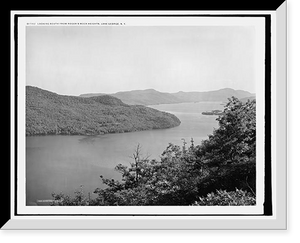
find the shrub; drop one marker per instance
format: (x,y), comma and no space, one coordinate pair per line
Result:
(65,200)
(224,198)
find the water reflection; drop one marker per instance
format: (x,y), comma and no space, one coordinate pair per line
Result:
(87,139)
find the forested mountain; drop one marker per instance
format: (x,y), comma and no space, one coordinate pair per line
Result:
(147,97)
(51,113)
(153,97)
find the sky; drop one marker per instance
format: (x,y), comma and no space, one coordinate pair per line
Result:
(73,60)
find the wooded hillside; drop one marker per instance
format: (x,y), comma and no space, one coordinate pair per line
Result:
(51,113)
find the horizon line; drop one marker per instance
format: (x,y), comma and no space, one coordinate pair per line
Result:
(104,93)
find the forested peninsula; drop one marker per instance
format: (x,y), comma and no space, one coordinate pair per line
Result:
(50,113)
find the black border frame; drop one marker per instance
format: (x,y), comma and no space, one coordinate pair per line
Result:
(268,173)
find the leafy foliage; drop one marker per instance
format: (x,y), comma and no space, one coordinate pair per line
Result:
(152,182)
(235,139)
(65,200)
(229,153)
(224,198)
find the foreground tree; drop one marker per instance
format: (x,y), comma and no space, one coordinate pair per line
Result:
(229,154)
(152,182)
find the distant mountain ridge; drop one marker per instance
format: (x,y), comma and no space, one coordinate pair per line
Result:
(51,113)
(142,97)
(154,97)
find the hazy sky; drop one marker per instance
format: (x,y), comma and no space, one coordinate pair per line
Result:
(76,60)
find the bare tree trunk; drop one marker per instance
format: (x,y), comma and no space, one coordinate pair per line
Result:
(136,157)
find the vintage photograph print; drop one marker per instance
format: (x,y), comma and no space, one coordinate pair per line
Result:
(143,115)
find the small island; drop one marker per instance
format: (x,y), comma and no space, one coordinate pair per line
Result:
(213,112)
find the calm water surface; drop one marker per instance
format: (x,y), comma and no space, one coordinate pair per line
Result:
(62,163)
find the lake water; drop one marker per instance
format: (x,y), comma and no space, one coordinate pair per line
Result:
(62,163)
